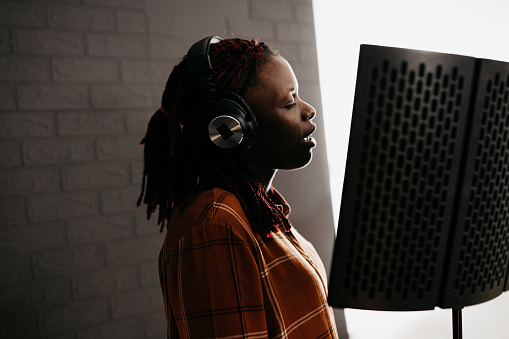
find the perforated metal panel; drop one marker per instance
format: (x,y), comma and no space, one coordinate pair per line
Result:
(410,128)
(480,253)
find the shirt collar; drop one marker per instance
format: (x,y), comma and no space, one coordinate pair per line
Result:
(279,201)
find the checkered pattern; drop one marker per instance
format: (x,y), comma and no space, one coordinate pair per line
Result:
(221,280)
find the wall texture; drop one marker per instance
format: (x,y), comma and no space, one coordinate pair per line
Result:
(78,81)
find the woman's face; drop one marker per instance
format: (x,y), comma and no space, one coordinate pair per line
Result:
(284,120)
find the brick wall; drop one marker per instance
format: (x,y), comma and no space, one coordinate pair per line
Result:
(78,81)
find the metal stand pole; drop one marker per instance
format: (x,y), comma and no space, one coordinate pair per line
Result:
(457,331)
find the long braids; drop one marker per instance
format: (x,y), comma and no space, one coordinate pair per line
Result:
(179,165)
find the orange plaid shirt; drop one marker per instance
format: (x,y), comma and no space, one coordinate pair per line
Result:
(220,279)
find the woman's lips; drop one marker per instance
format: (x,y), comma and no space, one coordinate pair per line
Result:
(308,141)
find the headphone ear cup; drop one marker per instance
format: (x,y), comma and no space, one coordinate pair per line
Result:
(229,123)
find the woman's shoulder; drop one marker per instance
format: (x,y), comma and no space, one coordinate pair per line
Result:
(215,196)
(213,207)
(216,204)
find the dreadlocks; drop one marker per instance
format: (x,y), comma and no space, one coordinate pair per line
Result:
(179,165)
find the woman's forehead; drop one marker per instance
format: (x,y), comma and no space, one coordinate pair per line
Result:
(276,74)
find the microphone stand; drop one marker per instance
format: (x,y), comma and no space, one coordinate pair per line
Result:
(457,332)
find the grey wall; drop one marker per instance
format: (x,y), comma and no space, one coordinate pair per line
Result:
(78,81)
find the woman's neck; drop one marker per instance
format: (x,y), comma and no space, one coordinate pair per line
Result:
(264,175)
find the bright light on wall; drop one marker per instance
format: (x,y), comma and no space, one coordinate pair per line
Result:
(465,27)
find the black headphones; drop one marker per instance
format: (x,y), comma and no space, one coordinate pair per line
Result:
(223,117)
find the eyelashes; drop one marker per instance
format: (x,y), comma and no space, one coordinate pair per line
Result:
(290,106)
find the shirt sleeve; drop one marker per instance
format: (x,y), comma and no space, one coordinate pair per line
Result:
(215,286)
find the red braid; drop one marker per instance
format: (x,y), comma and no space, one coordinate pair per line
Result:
(234,62)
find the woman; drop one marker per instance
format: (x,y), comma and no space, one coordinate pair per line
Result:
(232,265)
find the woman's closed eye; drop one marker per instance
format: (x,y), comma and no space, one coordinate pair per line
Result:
(290,106)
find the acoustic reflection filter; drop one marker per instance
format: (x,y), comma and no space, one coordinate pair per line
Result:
(424,217)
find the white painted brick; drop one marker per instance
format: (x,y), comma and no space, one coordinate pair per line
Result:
(308,53)
(156,324)
(67,2)
(162,22)
(10,154)
(120,199)
(90,123)
(115,52)
(57,151)
(19,125)
(137,172)
(136,71)
(134,250)
(104,282)
(156,93)
(31,296)
(5,41)
(306,72)
(62,205)
(137,121)
(168,48)
(121,96)
(12,211)
(117,45)
(125,329)
(251,29)
(141,301)
(21,14)
(288,50)
(6,97)
(100,228)
(296,1)
(26,181)
(205,19)
(149,273)
(304,12)
(144,226)
(22,239)
(296,32)
(129,21)
(116,3)
(94,175)
(125,147)
(78,17)
(68,260)
(160,71)
(16,68)
(39,97)
(271,10)
(74,316)
(86,70)
(49,42)
(20,326)
(97,229)
(15,270)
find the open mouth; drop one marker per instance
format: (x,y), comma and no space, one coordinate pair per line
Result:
(309,140)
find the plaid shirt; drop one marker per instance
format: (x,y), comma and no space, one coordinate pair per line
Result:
(220,279)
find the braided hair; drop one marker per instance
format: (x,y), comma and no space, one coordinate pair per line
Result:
(179,165)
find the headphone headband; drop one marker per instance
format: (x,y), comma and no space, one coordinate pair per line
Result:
(198,59)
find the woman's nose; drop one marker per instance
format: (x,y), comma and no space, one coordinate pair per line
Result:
(308,111)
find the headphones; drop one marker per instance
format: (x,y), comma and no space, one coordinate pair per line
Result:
(223,117)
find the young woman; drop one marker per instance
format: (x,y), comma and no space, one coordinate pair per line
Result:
(232,265)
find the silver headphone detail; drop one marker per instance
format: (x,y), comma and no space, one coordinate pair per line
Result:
(225,131)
